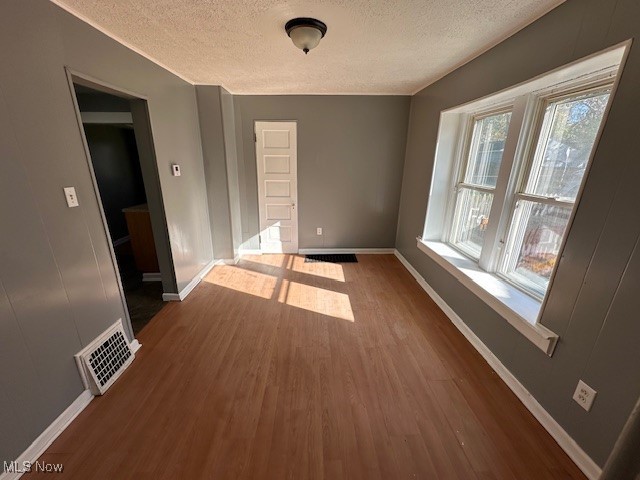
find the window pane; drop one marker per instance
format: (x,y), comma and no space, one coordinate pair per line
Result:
(534,242)
(568,132)
(487,146)
(472,218)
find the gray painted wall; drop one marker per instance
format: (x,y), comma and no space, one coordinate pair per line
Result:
(215,169)
(58,286)
(230,130)
(218,132)
(350,160)
(594,302)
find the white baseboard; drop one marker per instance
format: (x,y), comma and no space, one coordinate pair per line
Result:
(152,277)
(122,240)
(329,251)
(249,251)
(135,345)
(52,432)
(178,297)
(171,297)
(568,444)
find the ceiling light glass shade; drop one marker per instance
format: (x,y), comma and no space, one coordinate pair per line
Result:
(305,33)
(306,38)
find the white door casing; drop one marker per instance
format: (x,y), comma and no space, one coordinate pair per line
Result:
(277,164)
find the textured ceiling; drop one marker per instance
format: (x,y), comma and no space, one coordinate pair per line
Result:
(371,47)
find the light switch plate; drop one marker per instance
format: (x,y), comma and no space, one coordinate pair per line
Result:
(175,170)
(70,195)
(584,395)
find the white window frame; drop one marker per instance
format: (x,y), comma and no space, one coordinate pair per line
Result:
(600,82)
(462,163)
(484,277)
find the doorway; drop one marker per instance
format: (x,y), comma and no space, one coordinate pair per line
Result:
(277,167)
(116,132)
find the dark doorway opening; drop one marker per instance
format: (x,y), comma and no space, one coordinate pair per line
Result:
(109,131)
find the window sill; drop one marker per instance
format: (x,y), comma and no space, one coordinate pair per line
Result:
(516,307)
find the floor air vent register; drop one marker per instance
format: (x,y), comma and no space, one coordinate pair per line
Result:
(104,360)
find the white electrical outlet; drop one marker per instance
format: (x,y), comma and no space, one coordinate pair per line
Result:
(70,195)
(319,231)
(584,395)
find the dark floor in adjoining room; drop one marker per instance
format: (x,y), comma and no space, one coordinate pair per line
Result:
(144,299)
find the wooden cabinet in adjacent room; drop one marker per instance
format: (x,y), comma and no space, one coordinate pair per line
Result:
(142,244)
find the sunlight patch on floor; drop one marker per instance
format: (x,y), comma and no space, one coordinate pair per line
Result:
(271,260)
(241,280)
(314,299)
(332,271)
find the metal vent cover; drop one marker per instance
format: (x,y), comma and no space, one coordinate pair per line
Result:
(104,360)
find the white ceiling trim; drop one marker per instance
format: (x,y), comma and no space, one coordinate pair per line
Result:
(312,94)
(121,41)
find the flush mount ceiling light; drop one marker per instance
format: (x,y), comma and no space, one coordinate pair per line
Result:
(305,33)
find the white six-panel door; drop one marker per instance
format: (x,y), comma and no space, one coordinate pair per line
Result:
(277,161)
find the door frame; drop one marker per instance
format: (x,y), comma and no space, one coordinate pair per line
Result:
(260,207)
(156,205)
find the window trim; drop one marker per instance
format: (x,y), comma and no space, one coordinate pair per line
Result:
(517,308)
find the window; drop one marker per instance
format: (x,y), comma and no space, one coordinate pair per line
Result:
(507,174)
(527,226)
(474,194)
(547,195)
(509,210)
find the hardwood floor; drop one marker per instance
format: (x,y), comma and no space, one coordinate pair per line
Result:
(280,369)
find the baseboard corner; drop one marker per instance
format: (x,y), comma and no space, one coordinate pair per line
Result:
(227,261)
(135,345)
(180,296)
(171,297)
(206,269)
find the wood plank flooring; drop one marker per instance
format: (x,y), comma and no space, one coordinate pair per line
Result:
(280,369)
